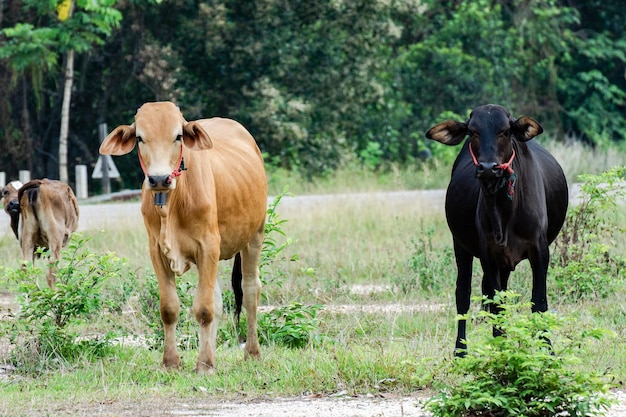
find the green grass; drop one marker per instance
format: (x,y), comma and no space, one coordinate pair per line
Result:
(340,244)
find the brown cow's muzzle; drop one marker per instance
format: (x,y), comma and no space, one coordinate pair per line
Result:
(160,185)
(13,207)
(160,182)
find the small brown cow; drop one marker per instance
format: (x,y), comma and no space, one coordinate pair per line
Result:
(204,198)
(44,213)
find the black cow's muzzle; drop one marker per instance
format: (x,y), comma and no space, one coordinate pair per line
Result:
(13,207)
(488,170)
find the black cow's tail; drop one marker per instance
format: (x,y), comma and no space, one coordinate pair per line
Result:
(236,280)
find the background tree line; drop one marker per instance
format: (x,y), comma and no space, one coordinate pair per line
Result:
(319,83)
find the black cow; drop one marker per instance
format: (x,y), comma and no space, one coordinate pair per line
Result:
(506,202)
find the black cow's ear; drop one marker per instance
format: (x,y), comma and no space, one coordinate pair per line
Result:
(449,132)
(526,128)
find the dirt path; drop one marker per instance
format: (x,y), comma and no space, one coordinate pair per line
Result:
(205,405)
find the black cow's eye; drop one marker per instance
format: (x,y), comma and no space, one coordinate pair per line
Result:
(506,132)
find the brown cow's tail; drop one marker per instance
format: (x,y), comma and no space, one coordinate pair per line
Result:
(31,189)
(236,279)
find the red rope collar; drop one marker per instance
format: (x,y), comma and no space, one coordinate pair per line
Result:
(505,166)
(177,172)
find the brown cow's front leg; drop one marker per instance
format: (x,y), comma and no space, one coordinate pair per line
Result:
(251,286)
(207,306)
(170,307)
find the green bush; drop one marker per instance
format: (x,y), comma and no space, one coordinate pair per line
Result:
(46,331)
(292,325)
(583,264)
(274,242)
(520,373)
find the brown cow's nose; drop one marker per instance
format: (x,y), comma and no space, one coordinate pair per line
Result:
(159,181)
(488,170)
(13,207)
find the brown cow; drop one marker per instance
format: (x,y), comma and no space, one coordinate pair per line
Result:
(204,198)
(44,213)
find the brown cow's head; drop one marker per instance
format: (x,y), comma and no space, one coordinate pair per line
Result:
(160,130)
(11,203)
(491,131)
(9,198)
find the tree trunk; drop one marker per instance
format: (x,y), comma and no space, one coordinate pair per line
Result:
(65,116)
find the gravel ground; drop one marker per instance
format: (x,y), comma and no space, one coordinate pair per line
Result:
(205,406)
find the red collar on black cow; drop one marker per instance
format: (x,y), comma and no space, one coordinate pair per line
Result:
(506,167)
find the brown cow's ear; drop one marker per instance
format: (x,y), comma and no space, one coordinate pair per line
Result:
(196,137)
(526,128)
(449,132)
(120,141)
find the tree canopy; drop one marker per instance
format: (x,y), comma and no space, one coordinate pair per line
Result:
(317,82)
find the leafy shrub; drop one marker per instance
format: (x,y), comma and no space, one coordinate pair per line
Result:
(45,331)
(291,325)
(583,264)
(272,246)
(520,373)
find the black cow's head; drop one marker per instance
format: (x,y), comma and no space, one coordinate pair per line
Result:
(491,132)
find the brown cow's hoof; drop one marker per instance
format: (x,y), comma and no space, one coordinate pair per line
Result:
(171,363)
(204,369)
(255,354)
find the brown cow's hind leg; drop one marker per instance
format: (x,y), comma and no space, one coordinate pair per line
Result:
(251,286)
(55,255)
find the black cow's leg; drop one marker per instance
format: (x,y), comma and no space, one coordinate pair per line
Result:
(539,260)
(491,283)
(505,273)
(463,294)
(503,283)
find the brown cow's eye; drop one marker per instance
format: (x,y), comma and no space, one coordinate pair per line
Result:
(139,139)
(179,137)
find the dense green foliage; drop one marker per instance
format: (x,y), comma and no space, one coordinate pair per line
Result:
(319,82)
(44,332)
(48,329)
(520,373)
(585,263)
